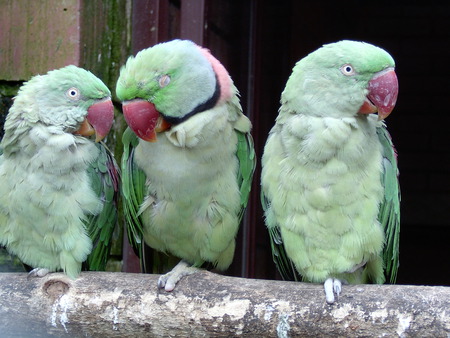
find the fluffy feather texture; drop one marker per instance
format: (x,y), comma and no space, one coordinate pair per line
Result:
(194,202)
(198,173)
(323,169)
(45,190)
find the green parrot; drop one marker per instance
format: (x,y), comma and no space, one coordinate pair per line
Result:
(187,179)
(57,187)
(329,177)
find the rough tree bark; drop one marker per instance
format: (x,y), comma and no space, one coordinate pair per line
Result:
(207,304)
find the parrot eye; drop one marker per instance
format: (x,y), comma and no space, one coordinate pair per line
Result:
(73,93)
(164,81)
(347,70)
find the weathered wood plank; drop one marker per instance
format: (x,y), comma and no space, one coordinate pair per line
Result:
(37,36)
(40,35)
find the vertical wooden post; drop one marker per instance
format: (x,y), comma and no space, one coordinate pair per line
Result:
(192,25)
(150,22)
(251,217)
(104,39)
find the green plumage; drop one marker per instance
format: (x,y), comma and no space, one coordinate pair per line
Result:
(185,194)
(133,183)
(57,191)
(389,214)
(104,177)
(329,180)
(133,193)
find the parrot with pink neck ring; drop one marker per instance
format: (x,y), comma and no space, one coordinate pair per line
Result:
(58,187)
(329,170)
(188,156)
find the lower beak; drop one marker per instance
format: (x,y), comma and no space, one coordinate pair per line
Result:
(98,121)
(85,129)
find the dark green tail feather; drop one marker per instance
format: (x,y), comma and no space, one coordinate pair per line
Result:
(389,214)
(247,163)
(104,175)
(133,184)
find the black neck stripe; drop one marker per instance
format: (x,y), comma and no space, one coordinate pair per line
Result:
(211,102)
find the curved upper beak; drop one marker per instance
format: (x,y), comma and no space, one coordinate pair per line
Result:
(143,118)
(98,121)
(382,96)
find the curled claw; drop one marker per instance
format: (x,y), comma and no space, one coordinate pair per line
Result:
(38,272)
(170,279)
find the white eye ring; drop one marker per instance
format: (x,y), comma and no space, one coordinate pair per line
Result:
(73,93)
(164,80)
(347,69)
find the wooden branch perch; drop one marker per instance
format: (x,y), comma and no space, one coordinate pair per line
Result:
(206,304)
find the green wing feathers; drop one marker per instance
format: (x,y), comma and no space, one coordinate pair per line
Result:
(389,215)
(247,163)
(104,176)
(284,264)
(133,185)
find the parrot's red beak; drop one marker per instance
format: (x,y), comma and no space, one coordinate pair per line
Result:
(101,117)
(143,118)
(98,121)
(383,92)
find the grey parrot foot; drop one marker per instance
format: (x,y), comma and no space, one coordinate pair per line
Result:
(38,272)
(170,279)
(332,286)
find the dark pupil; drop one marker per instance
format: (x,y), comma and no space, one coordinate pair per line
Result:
(348,69)
(73,93)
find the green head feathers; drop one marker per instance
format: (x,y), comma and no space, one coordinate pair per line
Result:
(175,76)
(333,80)
(60,97)
(365,58)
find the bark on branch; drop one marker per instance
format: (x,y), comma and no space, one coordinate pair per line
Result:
(206,304)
